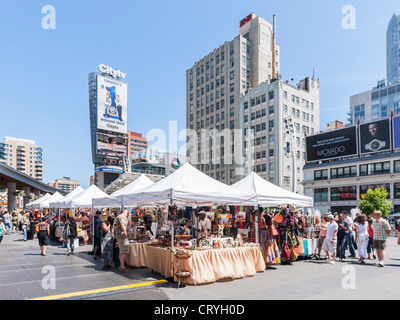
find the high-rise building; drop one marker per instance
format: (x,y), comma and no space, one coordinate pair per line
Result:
(214,85)
(65,184)
(23,155)
(136,142)
(378,102)
(393,50)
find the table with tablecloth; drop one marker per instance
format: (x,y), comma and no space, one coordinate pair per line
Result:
(208,266)
(137,256)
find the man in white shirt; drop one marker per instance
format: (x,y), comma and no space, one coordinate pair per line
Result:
(329,244)
(348,224)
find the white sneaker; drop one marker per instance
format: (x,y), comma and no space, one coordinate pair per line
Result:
(381,264)
(332,262)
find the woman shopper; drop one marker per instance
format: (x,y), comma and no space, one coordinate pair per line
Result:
(107,242)
(72,234)
(361,228)
(25,225)
(322,234)
(43,232)
(370,247)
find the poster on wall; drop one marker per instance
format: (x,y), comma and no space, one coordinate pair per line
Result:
(332,144)
(396,132)
(111,145)
(112,105)
(375,136)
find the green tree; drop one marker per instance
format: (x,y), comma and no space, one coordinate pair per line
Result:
(375,199)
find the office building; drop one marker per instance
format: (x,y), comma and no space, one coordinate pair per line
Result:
(65,184)
(276,117)
(215,82)
(393,50)
(23,155)
(136,142)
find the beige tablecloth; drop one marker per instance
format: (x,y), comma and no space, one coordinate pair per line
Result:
(137,256)
(208,266)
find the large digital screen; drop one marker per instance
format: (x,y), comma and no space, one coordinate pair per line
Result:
(111,145)
(375,136)
(396,132)
(112,105)
(332,144)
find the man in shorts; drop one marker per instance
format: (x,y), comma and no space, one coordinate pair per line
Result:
(121,231)
(330,241)
(382,231)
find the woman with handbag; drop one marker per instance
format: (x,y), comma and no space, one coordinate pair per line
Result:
(71,234)
(107,242)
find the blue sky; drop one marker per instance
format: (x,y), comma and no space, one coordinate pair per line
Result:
(44,81)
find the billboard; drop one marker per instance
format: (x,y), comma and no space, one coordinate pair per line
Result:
(111,145)
(332,144)
(396,132)
(375,136)
(112,105)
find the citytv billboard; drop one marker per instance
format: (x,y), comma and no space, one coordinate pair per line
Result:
(112,105)
(375,136)
(332,144)
(396,132)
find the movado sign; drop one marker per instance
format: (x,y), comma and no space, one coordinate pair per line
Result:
(111,72)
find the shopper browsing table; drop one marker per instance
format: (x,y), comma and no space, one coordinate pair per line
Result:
(204,226)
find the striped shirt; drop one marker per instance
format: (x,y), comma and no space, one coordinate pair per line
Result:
(380,229)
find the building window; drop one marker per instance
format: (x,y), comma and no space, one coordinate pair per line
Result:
(397,166)
(365,188)
(344,193)
(321,175)
(321,195)
(346,172)
(375,168)
(397,190)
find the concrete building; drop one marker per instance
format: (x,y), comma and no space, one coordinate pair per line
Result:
(65,184)
(215,82)
(23,155)
(393,50)
(276,116)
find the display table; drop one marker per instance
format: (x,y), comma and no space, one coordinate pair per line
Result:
(137,256)
(208,266)
(159,260)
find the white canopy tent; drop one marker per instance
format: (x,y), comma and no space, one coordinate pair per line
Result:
(188,186)
(46,203)
(73,193)
(35,204)
(84,199)
(115,199)
(269,194)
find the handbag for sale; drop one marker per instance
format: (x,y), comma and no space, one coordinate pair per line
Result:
(273,231)
(285,256)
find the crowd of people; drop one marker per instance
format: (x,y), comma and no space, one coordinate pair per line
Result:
(339,232)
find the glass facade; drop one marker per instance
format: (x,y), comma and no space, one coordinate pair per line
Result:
(393,50)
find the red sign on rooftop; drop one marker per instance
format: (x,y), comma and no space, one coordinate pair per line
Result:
(247,19)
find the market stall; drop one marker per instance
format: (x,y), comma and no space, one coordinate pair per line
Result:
(178,199)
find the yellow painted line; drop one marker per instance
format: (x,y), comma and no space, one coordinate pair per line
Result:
(110,289)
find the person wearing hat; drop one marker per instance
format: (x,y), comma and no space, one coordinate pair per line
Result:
(204,226)
(329,244)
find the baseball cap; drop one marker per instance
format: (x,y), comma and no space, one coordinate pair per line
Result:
(330,216)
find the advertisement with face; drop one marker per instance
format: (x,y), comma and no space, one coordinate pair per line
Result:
(396,132)
(112,105)
(111,145)
(332,144)
(375,136)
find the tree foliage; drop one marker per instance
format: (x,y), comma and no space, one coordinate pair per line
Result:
(375,199)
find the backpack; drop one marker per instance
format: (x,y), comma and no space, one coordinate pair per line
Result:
(66,232)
